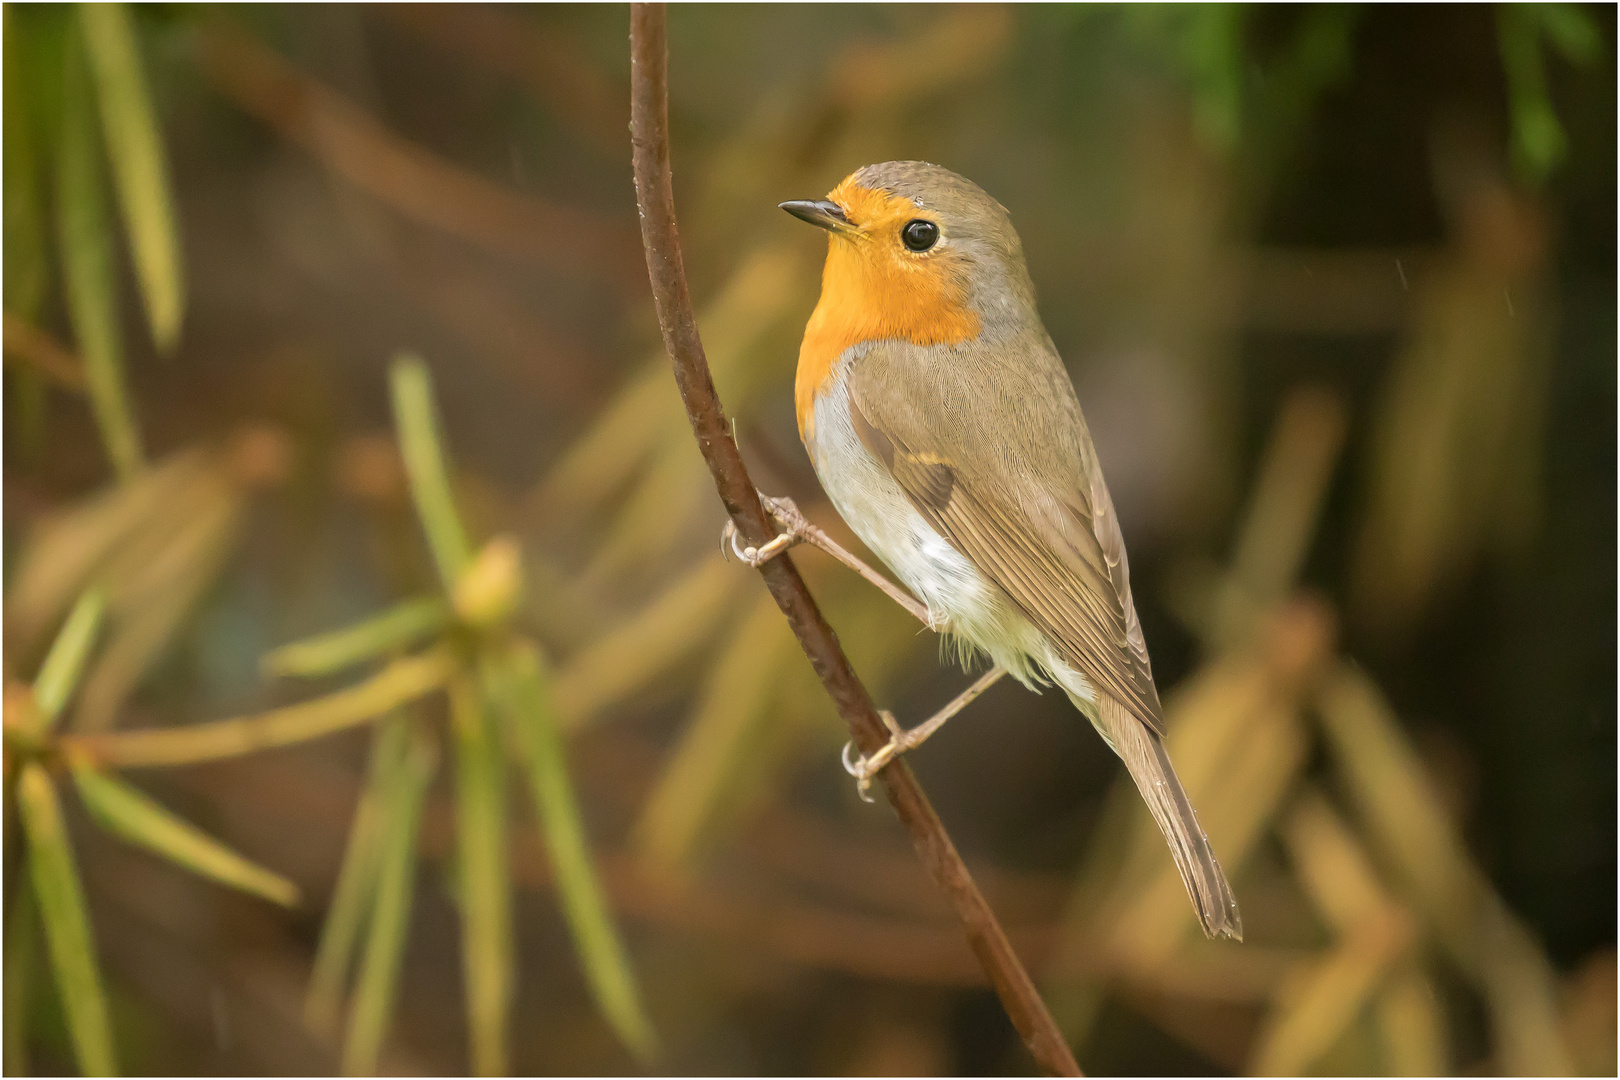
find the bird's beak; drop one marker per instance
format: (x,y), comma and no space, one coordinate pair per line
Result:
(819,212)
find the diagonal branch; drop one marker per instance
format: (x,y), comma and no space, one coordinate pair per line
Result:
(649,126)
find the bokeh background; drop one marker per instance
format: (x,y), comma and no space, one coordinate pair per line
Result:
(1336,286)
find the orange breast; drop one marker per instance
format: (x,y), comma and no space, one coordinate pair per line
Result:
(873,292)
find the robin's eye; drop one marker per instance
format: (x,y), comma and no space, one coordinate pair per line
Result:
(919,235)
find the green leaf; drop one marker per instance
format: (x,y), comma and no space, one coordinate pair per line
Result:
(128,812)
(21,963)
(399,626)
(67,927)
(519,685)
(140,173)
(1570,30)
(357,880)
(84,235)
(486,917)
(421,447)
(27,265)
(390,917)
(59,674)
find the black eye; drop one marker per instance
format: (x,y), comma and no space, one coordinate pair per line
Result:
(919,235)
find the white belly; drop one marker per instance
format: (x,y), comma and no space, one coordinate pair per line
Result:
(962,603)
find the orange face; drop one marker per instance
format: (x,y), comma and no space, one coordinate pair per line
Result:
(874,288)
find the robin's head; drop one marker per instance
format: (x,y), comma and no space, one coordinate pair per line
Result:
(920,254)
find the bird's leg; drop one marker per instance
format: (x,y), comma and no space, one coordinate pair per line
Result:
(797,529)
(863,769)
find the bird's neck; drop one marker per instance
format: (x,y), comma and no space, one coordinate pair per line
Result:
(868,295)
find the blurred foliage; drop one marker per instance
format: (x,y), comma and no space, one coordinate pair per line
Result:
(1336,284)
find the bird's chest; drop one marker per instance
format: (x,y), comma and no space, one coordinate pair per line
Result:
(869,499)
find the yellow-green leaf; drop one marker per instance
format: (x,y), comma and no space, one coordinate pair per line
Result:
(520,688)
(390,917)
(401,625)
(140,172)
(486,916)
(67,927)
(59,674)
(127,812)
(422,449)
(21,970)
(85,238)
(357,879)
(404,680)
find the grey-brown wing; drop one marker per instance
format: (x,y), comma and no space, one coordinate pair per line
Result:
(1057,554)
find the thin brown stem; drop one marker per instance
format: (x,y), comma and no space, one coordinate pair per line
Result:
(649,127)
(42,352)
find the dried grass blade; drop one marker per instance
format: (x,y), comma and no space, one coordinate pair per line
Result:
(400,626)
(67,549)
(1313,1012)
(422,449)
(519,687)
(151,605)
(127,812)
(648,644)
(736,700)
(486,917)
(68,938)
(84,235)
(1316,1007)
(402,681)
(378,979)
(357,879)
(140,172)
(1410,825)
(1412,1025)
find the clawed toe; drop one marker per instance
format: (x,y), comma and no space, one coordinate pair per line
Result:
(786,514)
(863,769)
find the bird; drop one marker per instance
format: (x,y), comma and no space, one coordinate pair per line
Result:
(945,430)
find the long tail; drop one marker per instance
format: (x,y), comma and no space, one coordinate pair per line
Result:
(1144,755)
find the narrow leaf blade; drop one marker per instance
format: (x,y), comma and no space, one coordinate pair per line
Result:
(486,916)
(357,880)
(129,813)
(21,974)
(519,685)
(59,674)
(404,680)
(67,926)
(140,172)
(400,626)
(422,449)
(375,987)
(85,239)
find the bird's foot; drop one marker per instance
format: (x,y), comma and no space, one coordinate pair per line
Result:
(863,769)
(794,530)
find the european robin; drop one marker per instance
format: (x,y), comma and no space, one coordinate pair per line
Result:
(943,426)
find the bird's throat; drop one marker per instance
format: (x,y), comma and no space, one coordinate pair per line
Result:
(869,293)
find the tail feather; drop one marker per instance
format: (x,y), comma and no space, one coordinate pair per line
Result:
(1144,755)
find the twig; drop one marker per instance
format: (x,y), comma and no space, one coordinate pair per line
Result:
(42,352)
(649,126)
(414,181)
